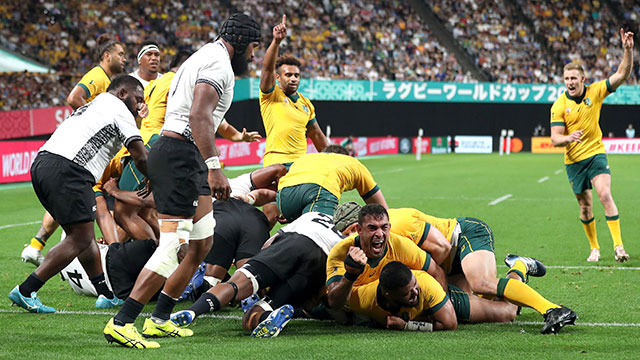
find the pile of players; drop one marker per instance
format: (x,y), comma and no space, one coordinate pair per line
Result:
(392,268)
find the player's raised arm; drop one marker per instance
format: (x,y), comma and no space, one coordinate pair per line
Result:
(268,78)
(624,70)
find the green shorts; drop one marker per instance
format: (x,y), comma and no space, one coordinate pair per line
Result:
(132,177)
(581,173)
(460,301)
(294,201)
(474,235)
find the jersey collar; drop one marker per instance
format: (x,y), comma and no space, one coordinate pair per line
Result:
(105,72)
(294,97)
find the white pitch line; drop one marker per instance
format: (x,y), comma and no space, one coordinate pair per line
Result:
(613,324)
(500,199)
(236,317)
(585,267)
(558,172)
(543,179)
(23,224)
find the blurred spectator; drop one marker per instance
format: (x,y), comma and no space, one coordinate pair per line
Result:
(501,45)
(630,132)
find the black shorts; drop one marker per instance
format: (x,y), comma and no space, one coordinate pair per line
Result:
(64,188)
(124,261)
(241,230)
(293,267)
(178,176)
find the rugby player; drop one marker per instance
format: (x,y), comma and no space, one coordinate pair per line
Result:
(66,168)
(575,125)
(141,222)
(288,116)
(111,57)
(111,63)
(469,252)
(358,259)
(148,59)
(292,268)
(412,300)
(316,181)
(183,181)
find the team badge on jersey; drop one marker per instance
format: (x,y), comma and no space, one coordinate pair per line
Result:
(587,101)
(305,108)
(568,110)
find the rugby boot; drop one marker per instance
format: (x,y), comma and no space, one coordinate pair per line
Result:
(183,317)
(621,255)
(153,330)
(274,323)
(102,302)
(248,302)
(594,256)
(556,318)
(534,266)
(32,255)
(32,304)
(127,336)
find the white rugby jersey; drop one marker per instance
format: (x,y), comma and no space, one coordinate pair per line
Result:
(318,227)
(210,65)
(75,275)
(241,185)
(94,133)
(143,81)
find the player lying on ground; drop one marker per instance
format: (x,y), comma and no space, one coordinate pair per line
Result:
(470,252)
(412,300)
(292,268)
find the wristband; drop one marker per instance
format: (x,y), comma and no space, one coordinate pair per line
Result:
(351,276)
(351,262)
(418,326)
(251,199)
(213,163)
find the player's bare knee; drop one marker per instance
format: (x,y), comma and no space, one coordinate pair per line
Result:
(483,286)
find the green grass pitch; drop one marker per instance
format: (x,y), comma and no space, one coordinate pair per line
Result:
(539,218)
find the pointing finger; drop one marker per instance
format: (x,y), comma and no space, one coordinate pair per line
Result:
(284,19)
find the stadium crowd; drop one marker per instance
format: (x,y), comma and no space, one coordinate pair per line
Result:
(338,39)
(501,45)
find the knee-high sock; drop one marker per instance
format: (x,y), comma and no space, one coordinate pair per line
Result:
(614,228)
(590,231)
(521,294)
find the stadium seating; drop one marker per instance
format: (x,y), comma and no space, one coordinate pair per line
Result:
(523,41)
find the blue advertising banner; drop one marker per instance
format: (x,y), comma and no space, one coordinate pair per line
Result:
(412,91)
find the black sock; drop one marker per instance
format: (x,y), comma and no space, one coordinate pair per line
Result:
(164,307)
(100,284)
(129,312)
(206,303)
(33,283)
